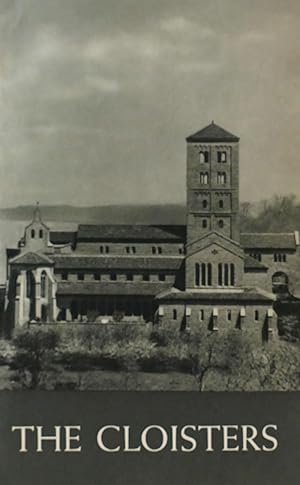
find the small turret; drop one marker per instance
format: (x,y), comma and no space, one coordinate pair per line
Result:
(36,235)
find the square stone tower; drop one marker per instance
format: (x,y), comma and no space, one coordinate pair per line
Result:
(212,183)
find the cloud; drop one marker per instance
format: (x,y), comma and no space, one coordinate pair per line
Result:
(255,37)
(205,67)
(176,24)
(182,25)
(102,84)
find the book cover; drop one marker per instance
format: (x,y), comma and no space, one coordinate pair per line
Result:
(149,242)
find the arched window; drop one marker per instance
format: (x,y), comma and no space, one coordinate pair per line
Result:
(222,157)
(220,274)
(226,274)
(30,285)
(204,223)
(209,274)
(221,204)
(221,223)
(256,315)
(229,315)
(203,157)
(221,178)
(32,233)
(197,274)
(204,178)
(232,274)
(201,315)
(203,274)
(280,283)
(41,234)
(43,284)
(174,314)
(204,204)
(153,250)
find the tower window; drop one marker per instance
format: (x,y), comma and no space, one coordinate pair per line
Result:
(107,249)
(32,233)
(101,249)
(256,315)
(222,157)
(174,314)
(41,233)
(229,315)
(221,178)
(159,250)
(204,178)
(129,277)
(153,250)
(113,276)
(203,157)
(201,315)
(97,276)
(221,223)
(80,276)
(204,223)
(162,277)
(204,204)
(146,277)
(221,204)
(64,276)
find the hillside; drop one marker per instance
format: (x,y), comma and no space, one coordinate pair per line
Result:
(117,214)
(279,214)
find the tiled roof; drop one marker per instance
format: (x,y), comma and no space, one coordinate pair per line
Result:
(117,262)
(31,258)
(62,237)
(252,263)
(111,288)
(247,295)
(212,133)
(132,232)
(268,240)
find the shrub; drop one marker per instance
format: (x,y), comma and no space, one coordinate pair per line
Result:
(34,350)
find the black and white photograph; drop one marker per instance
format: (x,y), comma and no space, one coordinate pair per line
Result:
(149,195)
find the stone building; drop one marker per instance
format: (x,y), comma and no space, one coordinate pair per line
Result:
(204,273)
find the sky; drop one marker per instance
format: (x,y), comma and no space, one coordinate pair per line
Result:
(98,96)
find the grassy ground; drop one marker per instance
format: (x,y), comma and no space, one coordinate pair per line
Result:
(97,380)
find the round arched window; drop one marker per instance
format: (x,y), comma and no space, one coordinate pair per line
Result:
(221,223)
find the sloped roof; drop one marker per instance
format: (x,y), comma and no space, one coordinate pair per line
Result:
(252,263)
(132,232)
(117,262)
(246,295)
(268,240)
(31,258)
(111,288)
(212,133)
(63,237)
